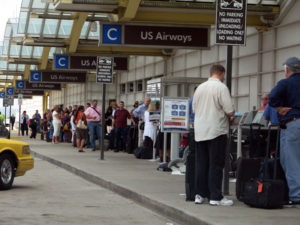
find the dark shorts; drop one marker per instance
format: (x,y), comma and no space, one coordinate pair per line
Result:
(81,133)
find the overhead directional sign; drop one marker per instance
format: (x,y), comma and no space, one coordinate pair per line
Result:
(105,69)
(38,86)
(84,62)
(43,86)
(29,92)
(231,22)
(159,36)
(20,84)
(2,94)
(9,91)
(112,34)
(166,36)
(59,76)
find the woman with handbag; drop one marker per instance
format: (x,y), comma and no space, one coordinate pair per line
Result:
(81,126)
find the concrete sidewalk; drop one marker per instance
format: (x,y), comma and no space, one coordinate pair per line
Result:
(160,191)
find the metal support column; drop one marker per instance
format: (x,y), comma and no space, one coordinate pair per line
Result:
(103,121)
(227,158)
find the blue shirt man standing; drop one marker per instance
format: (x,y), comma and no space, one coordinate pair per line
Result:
(285,98)
(192,114)
(139,113)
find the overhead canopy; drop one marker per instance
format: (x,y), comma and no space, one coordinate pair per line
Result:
(72,26)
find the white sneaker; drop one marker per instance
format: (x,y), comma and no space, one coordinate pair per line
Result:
(224,201)
(199,199)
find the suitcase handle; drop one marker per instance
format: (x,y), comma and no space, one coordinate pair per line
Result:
(276,149)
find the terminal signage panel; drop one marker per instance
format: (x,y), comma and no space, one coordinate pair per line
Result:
(35,76)
(90,62)
(8,101)
(24,97)
(20,84)
(9,91)
(166,36)
(2,94)
(105,70)
(25,92)
(58,76)
(43,86)
(82,62)
(61,61)
(112,34)
(231,22)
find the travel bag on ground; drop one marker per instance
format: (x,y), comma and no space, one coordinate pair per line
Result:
(190,169)
(131,139)
(262,192)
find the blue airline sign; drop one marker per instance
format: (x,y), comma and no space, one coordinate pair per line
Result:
(9,91)
(61,62)
(35,76)
(2,94)
(112,34)
(20,84)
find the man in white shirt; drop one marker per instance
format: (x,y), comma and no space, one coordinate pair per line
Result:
(212,106)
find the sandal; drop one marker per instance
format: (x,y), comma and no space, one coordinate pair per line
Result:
(81,151)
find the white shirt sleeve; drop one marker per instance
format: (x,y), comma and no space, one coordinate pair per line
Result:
(225,100)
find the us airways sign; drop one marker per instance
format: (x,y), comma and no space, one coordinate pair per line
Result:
(166,36)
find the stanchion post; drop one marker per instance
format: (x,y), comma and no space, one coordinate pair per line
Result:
(19,119)
(165,147)
(227,158)
(103,121)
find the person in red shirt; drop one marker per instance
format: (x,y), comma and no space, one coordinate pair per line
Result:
(81,128)
(265,101)
(119,123)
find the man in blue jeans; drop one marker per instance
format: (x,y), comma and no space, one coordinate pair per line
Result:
(285,98)
(119,123)
(93,115)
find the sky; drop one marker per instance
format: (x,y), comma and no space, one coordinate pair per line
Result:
(8,9)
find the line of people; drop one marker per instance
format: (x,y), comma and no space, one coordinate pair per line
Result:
(82,126)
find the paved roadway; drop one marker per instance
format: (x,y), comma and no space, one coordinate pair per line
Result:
(51,195)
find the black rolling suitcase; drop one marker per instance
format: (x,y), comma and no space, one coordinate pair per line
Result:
(249,167)
(112,139)
(190,169)
(263,192)
(131,140)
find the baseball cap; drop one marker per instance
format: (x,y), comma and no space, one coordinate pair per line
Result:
(293,63)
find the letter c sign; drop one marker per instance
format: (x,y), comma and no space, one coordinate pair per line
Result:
(111,34)
(61,62)
(35,76)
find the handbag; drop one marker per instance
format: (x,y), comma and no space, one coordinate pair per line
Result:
(80,124)
(66,127)
(142,126)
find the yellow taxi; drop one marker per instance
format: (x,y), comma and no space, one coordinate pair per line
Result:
(15,160)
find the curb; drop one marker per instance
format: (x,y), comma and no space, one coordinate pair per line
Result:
(165,210)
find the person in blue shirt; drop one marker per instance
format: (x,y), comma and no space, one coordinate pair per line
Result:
(38,119)
(139,113)
(285,98)
(192,115)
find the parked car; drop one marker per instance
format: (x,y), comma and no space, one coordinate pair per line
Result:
(15,160)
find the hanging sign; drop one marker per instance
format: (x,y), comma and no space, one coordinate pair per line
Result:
(231,22)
